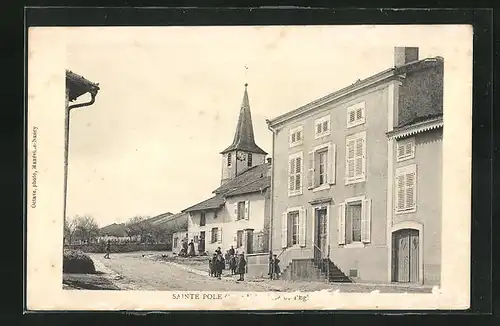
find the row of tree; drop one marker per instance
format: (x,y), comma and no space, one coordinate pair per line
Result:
(85,229)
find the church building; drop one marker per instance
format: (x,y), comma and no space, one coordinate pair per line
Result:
(237,214)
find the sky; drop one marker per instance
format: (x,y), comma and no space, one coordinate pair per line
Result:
(170,96)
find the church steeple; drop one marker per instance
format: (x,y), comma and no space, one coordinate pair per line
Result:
(244,138)
(243,153)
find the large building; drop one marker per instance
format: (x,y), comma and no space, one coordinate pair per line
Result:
(238,213)
(357,195)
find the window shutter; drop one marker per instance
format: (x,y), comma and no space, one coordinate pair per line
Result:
(291,177)
(302,228)
(352,116)
(247,209)
(350,168)
(341,223)
(210,235)
(310,173)
(359,157)
(410,190)
(298,176)
(284,230)
(236,209)
(401,151)
(332,163)
(366,208)
(400,182)
(409,149)
(219,235)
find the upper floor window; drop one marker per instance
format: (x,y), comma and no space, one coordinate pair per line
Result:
(228,159)
(321,166)
(405,149)
(322,127)
(203,219)
(356,114)
(296,136)
(295,174)
(249,161)
(355,158)
(241,210)
(406,184)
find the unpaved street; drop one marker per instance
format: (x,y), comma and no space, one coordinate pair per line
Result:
(140,273)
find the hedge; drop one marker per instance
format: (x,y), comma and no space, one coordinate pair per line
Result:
(75,261)
(120,247)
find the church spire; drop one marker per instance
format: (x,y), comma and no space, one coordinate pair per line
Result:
(244,138)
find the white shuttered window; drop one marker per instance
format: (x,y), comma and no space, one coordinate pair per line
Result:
(405,149)
(355,165)
(295,168)
(406,185)
(354,221)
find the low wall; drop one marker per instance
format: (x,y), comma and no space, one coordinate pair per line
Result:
(120,247)
(258,265)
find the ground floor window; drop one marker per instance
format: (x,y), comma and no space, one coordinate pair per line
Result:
(239,239)
(353,222)
(215,235)
(293,227)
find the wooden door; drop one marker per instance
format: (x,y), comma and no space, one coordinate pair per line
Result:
(249,242)
(322,231)
(201,245)
(405,261)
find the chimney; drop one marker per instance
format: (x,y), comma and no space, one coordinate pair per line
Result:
(269,160)
(404,55)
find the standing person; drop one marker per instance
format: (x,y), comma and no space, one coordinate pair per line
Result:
(220,266)
(218,251)
(232,264)
(270,271)
(242,264)
(108,249)
(231,251)
(191,248)
(214,265)
(276,267)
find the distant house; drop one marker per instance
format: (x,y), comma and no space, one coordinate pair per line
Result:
(361,192)
(238,212)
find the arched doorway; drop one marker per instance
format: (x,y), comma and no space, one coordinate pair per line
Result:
(406,256)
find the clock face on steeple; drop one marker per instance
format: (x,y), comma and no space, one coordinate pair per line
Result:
(242,156)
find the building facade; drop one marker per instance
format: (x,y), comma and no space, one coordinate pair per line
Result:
(238,212)
(336,199)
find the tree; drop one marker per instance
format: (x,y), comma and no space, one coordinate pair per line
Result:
(138,226)
(69,230)
(86,228)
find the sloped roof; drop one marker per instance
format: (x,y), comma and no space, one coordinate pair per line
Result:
(255,186)
(250,175)
(164,218)
(211,203)
(117,230)
(244,139)
(78,85)
(410,67)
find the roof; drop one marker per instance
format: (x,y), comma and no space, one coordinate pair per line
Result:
(384,75)
(250,175)
(244,139)
(417,126)
(255,186)
(117,230)
(78,85)
(210,204)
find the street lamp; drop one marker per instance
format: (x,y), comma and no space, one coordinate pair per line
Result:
(76,86)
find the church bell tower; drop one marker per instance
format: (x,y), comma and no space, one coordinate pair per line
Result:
(243,153)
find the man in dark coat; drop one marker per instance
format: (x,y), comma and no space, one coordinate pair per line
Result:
(276,267)
(214,265)
(231,251)
(270,271)
(108,249)
(242,264)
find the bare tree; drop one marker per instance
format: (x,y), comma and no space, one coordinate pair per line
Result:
(86,228)
(138,226)
(69,230)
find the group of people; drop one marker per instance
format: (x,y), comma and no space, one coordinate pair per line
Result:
(236,263)
(187,249)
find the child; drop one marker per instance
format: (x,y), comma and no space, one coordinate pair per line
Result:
(232,264)
(242,267)
(276,267)
(220,266)
(210,267)
(214,265)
